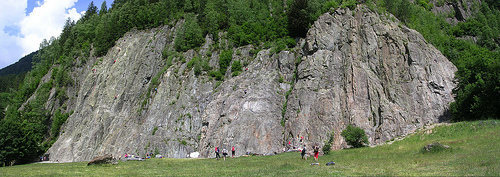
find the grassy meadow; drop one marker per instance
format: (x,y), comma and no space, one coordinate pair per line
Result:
(474,152)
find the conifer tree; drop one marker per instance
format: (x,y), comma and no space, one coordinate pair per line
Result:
(298,19)
(103,9)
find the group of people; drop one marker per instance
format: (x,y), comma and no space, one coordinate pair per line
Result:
(316,153)
(149,155)
(303,149)
(224,153)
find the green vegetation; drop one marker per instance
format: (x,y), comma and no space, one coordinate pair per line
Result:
(298,19)
(190,35)
(12,77)
(236,68)
(155,81)
(264,24)
(183,142)
(216,74)
(471,154)
(58,120)
(224,60)
(196,64)
(298,60)
(10,82)
(154,130)
(355,136)
(281,79)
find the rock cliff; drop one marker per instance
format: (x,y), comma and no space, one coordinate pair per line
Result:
(354,67)
(363,69)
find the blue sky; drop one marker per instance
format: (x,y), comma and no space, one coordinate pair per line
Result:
(25,23)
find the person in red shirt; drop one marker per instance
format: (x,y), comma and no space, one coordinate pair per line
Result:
(316,153)
(217,156)
(232,152)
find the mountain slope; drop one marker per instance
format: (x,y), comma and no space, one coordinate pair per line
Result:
(12,76)
(21,66)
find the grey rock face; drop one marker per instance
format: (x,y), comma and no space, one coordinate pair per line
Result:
(362,69)
(367,71)
(246,110)
(456,11)
(106,118)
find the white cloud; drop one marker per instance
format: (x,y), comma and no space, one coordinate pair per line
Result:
(73,14)
(46,21)
(11,12)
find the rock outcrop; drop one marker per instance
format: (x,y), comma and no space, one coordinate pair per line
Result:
(434,147)
(455,11)
(360,68)
(105,159)
(354,67)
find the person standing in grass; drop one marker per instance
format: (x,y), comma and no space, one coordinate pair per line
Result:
(232,152)
(224,153)
(217,156)
(316,153)
(303,153)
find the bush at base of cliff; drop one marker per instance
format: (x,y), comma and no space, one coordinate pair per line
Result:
(328,144)
(354,136)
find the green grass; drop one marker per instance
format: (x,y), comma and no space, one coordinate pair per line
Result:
(474,151)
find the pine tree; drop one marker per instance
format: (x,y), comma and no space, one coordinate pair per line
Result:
(298,20)
(104,8)
(91,10)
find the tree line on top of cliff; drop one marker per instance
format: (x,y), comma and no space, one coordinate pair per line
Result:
(265,24)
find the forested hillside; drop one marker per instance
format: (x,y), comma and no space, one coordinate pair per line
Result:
(28,126)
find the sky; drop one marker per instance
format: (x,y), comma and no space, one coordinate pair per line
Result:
(25,23)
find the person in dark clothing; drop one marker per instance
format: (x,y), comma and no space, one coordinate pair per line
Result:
(224,153)
(232,152)
(217,156)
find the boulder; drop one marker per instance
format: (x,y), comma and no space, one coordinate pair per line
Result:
(434,147)
(105,159)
